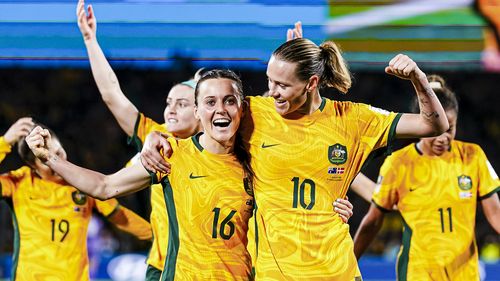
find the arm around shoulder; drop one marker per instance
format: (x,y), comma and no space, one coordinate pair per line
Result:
(125,181)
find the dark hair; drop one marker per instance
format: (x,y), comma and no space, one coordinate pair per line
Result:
(325,60)
(445,95)
(240,150)
(25,152)
(220,74)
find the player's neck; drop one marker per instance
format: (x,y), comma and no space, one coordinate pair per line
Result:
(216,147)
(313,102)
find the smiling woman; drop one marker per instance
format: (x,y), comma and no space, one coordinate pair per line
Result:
(219,200)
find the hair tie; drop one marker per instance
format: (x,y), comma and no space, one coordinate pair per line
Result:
(436,85)
(189,83)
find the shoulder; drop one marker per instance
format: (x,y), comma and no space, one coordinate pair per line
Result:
(467,146)
(259,103)
(20,173)
(352,109)
(402,155)
(468,151)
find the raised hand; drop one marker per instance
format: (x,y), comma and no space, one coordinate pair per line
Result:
(39,141)
(344,208)
(294,33)
(18,130)
(86,21)
(404,67)
(154,146)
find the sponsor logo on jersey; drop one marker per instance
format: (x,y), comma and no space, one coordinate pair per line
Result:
(264,145)
(337,154)
(336,171)
(191,176)
(79,197)
(464,182)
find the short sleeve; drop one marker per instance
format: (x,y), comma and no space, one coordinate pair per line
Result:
(6,186)
(385,195)
(9,181)
(377,126)
(108,207)
(5,148)
(144,126)
(488,182)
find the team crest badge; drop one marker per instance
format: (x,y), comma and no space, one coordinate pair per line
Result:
(79,197)
(464,182)
(337,154)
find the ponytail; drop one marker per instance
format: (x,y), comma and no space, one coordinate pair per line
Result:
(325,61)
(336,73)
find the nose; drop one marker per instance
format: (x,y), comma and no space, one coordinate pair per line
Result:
(272,90)
(171,109)
(220,108)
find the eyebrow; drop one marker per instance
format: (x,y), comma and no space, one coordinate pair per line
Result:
(278,82)
(181,99)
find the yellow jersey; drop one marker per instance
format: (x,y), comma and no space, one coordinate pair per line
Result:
(209,208)
(302,165)
(158,218)
(437,198)
(50,225)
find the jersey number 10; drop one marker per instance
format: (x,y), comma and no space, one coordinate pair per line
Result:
(299,193)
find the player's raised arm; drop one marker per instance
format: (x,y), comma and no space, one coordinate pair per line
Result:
(431,121)
(122,108)
(125,181)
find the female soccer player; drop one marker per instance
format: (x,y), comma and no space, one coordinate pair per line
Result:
(436,184)
(50,217)
(208,193)
(179,122)
(306,150)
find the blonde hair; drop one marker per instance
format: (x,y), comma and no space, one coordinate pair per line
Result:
(325,60)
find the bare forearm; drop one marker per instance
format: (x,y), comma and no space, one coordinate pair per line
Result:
(491,208)
(109,87)
(432,114)
(368,229)
(363,186)
(98,185)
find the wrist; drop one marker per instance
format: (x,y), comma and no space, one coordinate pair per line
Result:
(419,80)
(51,160)
(89,42)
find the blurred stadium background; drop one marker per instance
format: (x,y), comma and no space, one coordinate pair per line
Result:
(44,73)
